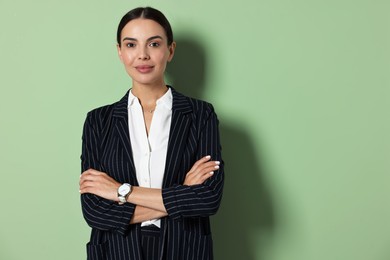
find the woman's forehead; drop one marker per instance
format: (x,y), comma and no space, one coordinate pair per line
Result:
(142,28)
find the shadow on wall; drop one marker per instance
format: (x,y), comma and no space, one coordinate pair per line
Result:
(247,208)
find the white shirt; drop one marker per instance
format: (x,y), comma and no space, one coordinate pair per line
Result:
(150,152)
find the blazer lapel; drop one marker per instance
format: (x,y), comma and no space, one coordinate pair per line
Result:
(181,120)
(121,126)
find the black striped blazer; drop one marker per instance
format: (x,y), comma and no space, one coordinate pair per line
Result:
(185,232)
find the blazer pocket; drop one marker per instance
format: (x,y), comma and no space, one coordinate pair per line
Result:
(97,252)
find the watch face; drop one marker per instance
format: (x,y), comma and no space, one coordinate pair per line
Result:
(124,189)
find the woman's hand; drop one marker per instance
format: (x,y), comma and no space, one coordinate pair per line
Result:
(201,171)
(100,184)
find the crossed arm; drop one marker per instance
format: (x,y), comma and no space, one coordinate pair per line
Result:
(148,201)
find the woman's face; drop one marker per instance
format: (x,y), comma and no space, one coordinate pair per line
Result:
(144,51)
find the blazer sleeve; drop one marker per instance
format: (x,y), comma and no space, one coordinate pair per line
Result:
(204,199)
(98,212)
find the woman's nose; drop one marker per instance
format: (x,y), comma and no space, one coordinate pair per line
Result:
(143,54)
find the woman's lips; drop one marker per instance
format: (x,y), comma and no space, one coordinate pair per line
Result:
(144,68)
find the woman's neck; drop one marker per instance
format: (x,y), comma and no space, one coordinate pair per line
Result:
(148,94)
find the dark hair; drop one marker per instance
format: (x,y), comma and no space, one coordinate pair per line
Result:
(145,13)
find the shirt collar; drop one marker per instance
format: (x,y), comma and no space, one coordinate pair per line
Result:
(131,99)
(166,100)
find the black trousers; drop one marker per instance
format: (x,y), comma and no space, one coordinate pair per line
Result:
(150,242)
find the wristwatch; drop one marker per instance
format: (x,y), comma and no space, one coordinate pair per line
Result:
(123,192)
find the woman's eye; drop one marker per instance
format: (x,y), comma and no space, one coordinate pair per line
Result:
(130,45)
(154,44)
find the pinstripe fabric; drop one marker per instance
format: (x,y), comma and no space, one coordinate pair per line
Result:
(150,242)
(185,233)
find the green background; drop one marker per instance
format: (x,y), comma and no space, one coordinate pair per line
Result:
(301,89)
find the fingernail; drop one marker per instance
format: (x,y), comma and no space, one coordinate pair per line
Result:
(208,157)
(217,162)
(211,173)
(216,167)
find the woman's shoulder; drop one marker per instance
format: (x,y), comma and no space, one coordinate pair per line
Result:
(99,113)
(105,112)
(196,105)
(102,110)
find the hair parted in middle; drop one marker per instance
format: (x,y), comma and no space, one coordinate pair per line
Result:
(145,13)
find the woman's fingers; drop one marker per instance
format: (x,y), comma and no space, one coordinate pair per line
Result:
(207,171)
(199,162)
(88,174)
(201,171)
(205,167)
(98,183)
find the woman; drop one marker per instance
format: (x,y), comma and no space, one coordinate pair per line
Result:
(151,162)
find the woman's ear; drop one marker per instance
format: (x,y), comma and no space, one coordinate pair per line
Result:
(118,47)
(171,49)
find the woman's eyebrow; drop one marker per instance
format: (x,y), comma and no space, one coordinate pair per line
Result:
(149,39)
(129,39)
